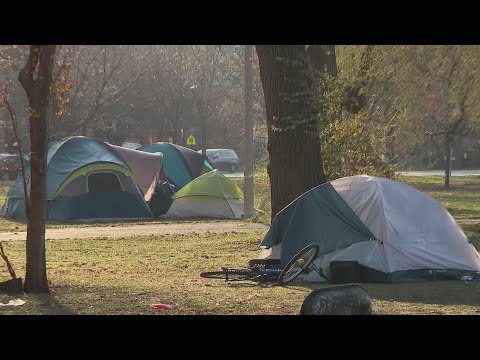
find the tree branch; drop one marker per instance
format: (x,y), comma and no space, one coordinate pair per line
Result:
(25,76)
(5,103)
(9,265)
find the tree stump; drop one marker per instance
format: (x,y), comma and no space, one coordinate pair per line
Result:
(348,299)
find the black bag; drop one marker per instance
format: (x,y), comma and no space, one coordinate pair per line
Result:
(161,199)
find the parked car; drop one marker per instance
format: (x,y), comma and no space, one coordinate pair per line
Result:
(223,159)
(131,145)
(10,166)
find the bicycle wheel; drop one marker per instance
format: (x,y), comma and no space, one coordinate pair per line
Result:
(298,263)
(228,274)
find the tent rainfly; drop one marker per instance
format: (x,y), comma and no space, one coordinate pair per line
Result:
(181,164)
(210,195)
(87,180)
(398,232)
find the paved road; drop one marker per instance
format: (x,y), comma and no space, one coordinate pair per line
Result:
(409,173)
(235,174)
(442,173)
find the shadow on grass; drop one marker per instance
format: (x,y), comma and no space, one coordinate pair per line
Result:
(460,214)
(251,284)
(439,292)
(35,304)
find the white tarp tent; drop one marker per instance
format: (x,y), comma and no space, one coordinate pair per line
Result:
(411,231)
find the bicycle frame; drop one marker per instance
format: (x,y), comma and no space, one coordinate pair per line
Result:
(235,274)
(266,274)
(259,269)
(254,274)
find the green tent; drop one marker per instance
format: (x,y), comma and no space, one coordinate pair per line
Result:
(86,180)
(210,195)
(181,164)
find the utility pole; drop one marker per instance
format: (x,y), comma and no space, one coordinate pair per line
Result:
(248,135)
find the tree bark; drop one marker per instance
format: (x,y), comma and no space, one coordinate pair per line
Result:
(294,149)
(248,134)
(322,59)
(36,78)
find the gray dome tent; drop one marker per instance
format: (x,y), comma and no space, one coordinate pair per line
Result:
(398,232)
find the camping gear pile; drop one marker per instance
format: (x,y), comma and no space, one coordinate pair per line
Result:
(90,180)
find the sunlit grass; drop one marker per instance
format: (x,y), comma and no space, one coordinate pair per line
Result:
(125,276)
(462,200)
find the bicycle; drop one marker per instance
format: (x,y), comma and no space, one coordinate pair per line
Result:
(302,262)
(262,270)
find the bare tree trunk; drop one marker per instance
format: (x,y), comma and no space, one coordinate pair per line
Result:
(204,136)
(36,78)
(294,148)
(203,125)
(248,134)
(161,129)
(448,157)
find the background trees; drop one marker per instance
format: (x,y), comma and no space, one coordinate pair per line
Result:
(380,108)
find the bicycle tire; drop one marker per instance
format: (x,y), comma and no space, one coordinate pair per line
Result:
(292,270)
(228,274)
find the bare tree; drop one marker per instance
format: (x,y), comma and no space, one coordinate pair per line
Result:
(36,79)
(248,134)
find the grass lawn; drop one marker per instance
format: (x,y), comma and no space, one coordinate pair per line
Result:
(462,200)
(126,275)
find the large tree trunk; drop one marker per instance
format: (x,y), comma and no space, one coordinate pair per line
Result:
(294,149)
(322,58)
(36,78)
(248,134)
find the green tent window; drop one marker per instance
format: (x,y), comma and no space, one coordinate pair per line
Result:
(103,182)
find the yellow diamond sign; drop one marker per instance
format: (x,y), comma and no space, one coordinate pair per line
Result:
(191,140)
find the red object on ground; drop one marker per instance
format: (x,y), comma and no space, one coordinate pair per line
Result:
(164,306)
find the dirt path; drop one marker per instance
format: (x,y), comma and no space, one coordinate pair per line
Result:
(149,229)
(469,221)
